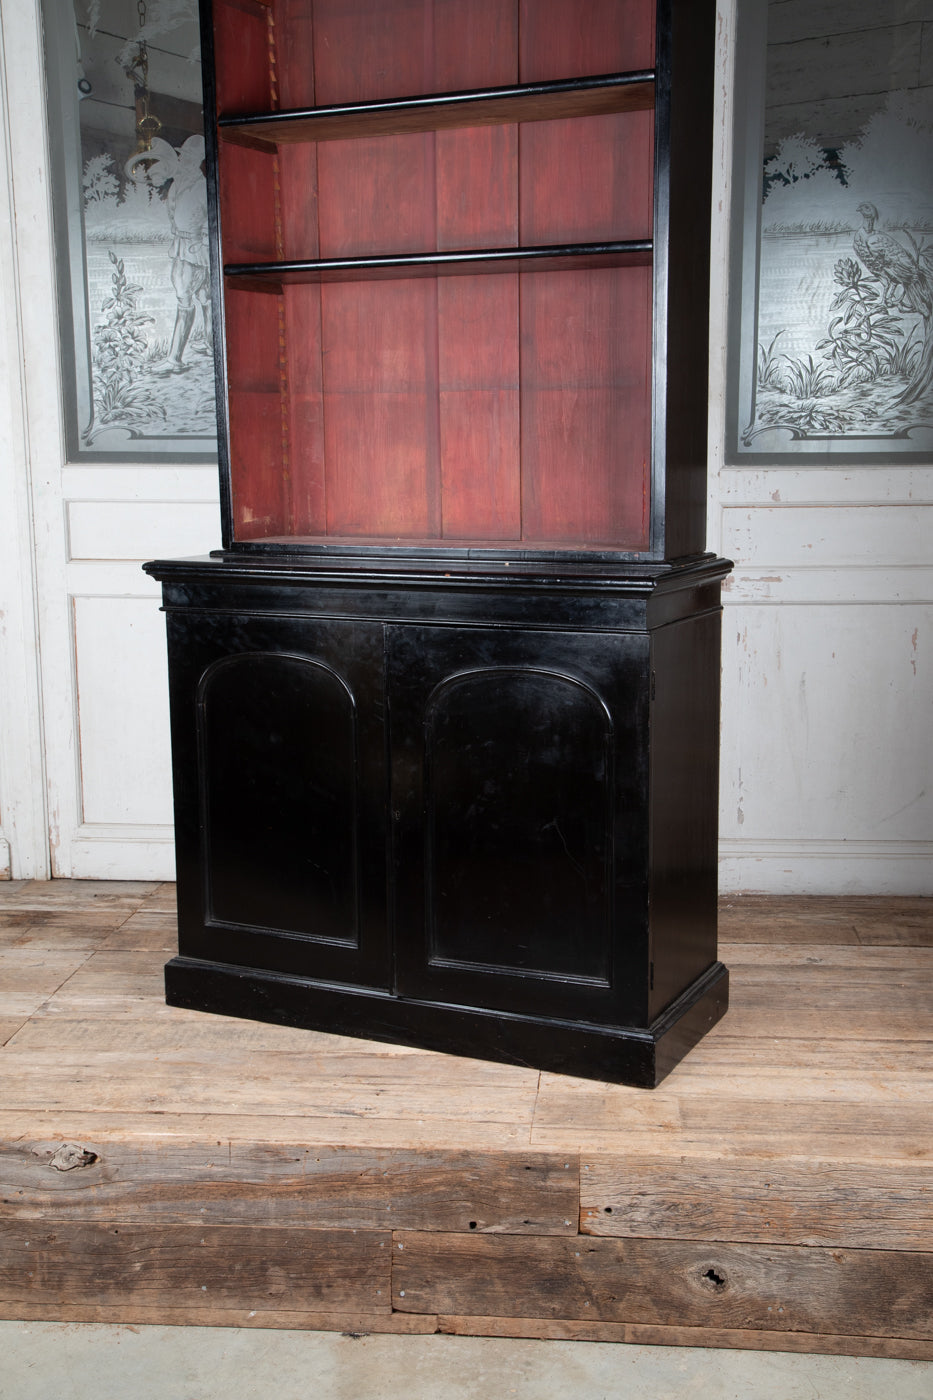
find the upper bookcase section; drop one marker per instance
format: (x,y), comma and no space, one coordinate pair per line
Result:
(461,265)
(294,55)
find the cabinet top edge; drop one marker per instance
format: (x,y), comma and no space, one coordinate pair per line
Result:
(629,578)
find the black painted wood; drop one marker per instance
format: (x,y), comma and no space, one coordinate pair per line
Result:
(271,277)
(465,796)
(520,779)
(618,1054)
(278,739)
(602,93)
(550,826)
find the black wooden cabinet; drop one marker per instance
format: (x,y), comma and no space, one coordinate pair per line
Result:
(445,706)
(479,819)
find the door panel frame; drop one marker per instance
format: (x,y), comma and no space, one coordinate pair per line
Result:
(43,832)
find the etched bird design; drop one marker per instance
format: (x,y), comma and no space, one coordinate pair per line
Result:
(907,278)
(891,262)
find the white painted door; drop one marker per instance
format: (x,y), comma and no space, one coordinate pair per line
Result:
(85,774)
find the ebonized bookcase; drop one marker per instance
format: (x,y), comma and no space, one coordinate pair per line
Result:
(445,706)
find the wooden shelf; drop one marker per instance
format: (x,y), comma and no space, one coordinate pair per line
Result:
(272,276)
(526,102)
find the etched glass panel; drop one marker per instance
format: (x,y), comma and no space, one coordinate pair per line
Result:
(130,195)
(832,336)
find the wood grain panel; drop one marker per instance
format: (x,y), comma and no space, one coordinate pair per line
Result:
(193,1266)
(370,51)
(260,498)
(56,934)
(843,962)
(355,1324)
(589,36)
(246,187)
(241,57)
(587,180)
(780,1288)
(29,976)
(298,205)
(157,933)
(255,340)
(76,897)
(380,404)
(294,51)
(312,1188)
(820,919)
(307,476)
(477,188)
(479,407)
(475,45)
(585,406)
(823,1204)
(377,196)
(409,1128)
(641,1334)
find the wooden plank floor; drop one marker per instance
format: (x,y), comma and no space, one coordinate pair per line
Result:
(775,1192)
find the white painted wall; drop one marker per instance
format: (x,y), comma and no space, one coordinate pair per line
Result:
(826,659)
(85,779)
(827,730)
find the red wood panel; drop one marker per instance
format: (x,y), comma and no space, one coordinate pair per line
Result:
(260,507)
(477,207)
(294,52)
(247,204)
(298,199)
(252,334)
(257,443)
(377,195)
(475,44)
(587,179)
(380,408)
(477,188)
(479,407)
(305,468)
(370,50)
(586,406)
(241,57)
(573,38)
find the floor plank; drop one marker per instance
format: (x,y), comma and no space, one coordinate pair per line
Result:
(81,895)
(789,1154)
(826,919)
(365,1085)
(257,1183)
(30,976)
(233,1265)
(764,1288)
(812,1203)
(60,927)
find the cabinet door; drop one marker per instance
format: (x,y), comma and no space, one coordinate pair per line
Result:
(281,794)
(519,817)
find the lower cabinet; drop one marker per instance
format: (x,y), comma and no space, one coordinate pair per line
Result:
(406,814)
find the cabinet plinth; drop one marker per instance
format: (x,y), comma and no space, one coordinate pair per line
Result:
(445,706)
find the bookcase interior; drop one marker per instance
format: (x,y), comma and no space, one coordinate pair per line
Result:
(377,392)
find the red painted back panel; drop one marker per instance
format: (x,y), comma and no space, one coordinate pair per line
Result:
(489,408)
(574,38)
(241,56)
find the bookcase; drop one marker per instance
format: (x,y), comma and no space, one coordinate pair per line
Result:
(445,705)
